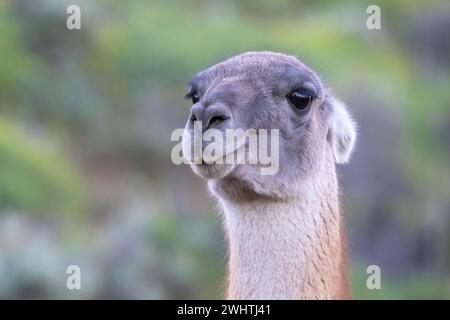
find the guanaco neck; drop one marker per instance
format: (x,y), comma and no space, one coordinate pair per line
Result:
(289,249)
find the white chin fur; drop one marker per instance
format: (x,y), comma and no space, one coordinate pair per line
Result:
(215,171)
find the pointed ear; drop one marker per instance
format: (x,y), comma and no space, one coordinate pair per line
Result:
(341,132)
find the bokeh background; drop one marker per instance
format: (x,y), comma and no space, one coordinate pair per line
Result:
(85,123)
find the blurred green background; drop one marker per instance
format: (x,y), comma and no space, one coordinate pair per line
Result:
(85,123)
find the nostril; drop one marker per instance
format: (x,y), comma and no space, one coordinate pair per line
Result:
(212,116)
(216,120)
(196,113)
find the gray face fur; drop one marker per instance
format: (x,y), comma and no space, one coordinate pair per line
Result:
(250,91)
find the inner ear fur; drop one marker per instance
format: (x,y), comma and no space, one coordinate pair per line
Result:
(342,130)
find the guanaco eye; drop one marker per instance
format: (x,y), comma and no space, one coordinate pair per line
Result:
(195,98)
(300,99)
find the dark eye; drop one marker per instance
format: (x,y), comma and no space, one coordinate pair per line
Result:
(195,98)
(300,99)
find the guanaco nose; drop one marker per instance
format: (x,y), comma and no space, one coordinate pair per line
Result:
(212,117)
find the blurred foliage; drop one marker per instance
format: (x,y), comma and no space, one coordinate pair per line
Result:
(86,117)
(417,286)
(33,178)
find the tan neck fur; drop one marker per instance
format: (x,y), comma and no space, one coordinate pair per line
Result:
(293,249)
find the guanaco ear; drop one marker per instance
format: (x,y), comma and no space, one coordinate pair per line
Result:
(341,132)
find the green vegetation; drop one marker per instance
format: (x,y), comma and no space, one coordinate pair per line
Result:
(86,117)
